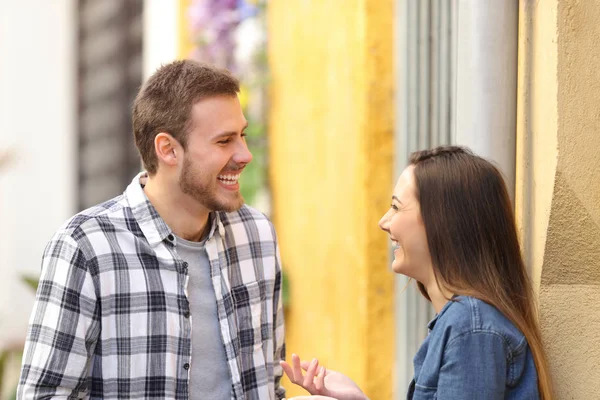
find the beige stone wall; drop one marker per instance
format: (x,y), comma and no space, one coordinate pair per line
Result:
(558,182)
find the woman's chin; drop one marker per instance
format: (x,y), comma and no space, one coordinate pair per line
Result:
(397,267)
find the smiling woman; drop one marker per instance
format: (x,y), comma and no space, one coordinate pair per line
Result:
(452,222)
(404,224)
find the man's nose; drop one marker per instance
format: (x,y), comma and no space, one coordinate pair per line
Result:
(242,155)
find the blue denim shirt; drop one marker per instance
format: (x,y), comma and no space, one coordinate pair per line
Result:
(473,352)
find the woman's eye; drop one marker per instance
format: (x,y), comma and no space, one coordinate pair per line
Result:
(394,207)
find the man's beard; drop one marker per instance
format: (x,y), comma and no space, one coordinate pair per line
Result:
(205,191)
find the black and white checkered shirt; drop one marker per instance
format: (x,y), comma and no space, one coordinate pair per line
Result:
(111,316)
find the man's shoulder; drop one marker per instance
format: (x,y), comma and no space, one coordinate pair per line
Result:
(80,225)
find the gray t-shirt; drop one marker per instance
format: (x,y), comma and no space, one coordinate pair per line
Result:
(209,374)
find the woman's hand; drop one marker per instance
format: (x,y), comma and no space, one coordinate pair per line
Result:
(321,381)
(316,397)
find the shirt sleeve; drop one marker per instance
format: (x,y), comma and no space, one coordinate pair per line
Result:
(474,366)
(278,328)
(63,327)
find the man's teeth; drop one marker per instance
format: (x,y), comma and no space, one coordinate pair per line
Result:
(229,179)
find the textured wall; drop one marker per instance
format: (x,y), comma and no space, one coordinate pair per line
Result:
(331,148)
(558,187)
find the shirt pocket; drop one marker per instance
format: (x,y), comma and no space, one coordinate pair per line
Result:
(249,300)
(424,393)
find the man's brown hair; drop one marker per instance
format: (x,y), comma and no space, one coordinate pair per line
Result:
(165,101)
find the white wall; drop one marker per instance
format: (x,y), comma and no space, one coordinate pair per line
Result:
(160,34)
(486,82)
(37,121)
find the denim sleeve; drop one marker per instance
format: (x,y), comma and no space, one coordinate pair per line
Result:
(474,367)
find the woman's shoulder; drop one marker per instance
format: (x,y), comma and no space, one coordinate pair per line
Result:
(465,315)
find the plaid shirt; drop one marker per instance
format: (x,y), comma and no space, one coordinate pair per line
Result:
(111,316)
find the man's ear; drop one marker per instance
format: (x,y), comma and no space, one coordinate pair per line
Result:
(167,149)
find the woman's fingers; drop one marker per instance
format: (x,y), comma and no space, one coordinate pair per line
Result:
(320,381)
(297,370)
(305,364)
(309,381)
(287,368)
(310,374)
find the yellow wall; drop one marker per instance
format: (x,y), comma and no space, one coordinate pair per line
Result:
(331,134)
(185,44)
(558,182)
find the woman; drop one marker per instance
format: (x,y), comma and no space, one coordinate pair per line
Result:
(452,225)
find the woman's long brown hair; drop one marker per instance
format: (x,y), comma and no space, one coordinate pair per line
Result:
(472,238)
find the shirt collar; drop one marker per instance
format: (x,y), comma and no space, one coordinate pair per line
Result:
(431,323)
(152,225)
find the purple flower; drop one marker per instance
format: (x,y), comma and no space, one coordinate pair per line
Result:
(213,23)
(246,10)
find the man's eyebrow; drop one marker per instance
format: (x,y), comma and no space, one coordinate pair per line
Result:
(228,133)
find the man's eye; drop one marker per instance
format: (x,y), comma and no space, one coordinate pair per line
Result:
(394,207)
(225,141)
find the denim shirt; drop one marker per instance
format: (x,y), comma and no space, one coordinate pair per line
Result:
(473,352)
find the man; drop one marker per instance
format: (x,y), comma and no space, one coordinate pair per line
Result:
(173,289)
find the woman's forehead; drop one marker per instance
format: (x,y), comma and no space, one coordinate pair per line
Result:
(405,186)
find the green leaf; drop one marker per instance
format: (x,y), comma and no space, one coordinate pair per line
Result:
(3,359)
(31,281)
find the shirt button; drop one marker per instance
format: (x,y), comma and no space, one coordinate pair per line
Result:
(186,366)
(171,238)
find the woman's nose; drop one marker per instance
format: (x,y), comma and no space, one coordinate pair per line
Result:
(384,222)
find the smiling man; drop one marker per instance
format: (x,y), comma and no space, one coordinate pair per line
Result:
(173,289)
